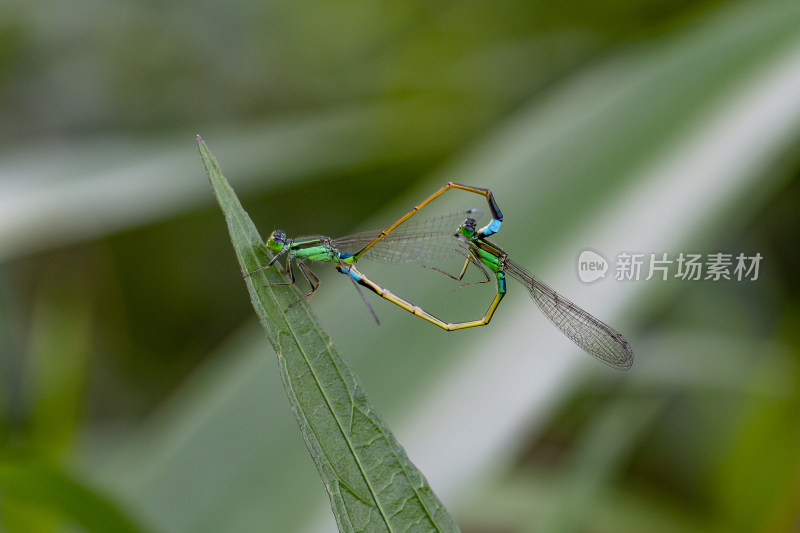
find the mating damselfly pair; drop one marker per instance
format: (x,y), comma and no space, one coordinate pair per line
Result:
(422,241)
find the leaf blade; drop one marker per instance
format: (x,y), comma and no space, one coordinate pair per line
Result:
(371,483)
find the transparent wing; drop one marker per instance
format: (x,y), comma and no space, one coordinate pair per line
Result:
(428,241)
(594,336)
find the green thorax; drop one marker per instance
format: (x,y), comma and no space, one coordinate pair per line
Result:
(313,249)
(490,255)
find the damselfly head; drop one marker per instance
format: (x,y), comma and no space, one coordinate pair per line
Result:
(467,229)
(276,241)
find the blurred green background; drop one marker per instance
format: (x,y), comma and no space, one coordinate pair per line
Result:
(137,388)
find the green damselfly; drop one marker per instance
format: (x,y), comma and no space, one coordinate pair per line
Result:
(592,335)
(428,236)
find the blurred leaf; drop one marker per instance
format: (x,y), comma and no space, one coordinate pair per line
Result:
(600,457)
(524,499)
(757,480)
(32,485)
(371,483)
(47,189)
(60,344)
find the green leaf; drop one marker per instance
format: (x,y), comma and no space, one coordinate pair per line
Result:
(27,484)
(371,483)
